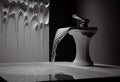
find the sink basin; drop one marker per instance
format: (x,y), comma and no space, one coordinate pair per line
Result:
(47,71)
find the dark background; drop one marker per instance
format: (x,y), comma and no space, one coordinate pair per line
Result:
(103,14)
(61,16)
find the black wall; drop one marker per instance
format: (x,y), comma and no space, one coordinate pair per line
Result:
(106,16)
(103,14)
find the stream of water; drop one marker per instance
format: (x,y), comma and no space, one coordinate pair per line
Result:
(60,34)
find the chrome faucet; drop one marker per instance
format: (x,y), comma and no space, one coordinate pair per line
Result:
(82,36)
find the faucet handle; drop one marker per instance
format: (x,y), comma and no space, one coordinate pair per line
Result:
(83,21)
(78,17)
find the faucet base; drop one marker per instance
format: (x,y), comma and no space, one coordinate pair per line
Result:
(83,63)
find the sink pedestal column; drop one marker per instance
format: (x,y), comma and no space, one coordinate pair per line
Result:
(82,37)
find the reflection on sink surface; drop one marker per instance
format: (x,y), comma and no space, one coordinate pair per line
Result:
(35,78)
(33,72)
(46,71)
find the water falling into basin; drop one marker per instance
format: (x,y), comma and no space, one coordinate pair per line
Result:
(60,34)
